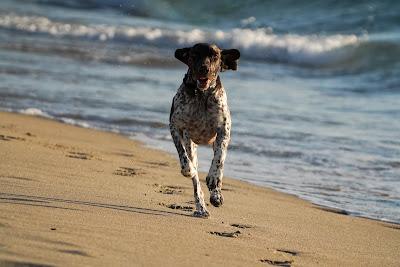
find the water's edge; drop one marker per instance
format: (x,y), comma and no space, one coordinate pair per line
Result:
(146,144)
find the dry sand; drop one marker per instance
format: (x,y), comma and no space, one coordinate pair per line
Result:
(71,196)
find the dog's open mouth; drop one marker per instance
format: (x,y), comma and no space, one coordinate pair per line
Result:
(202,82)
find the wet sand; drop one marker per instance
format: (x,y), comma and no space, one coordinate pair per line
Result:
(71,196)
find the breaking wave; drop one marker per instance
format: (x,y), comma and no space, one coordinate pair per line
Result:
(255,44)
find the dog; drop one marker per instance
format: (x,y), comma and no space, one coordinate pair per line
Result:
(200,116)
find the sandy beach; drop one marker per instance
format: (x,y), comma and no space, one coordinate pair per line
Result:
(72,196)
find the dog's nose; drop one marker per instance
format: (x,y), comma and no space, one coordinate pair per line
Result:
(203,70)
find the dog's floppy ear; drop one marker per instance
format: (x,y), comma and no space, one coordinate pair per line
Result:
(229,59)
(183,54)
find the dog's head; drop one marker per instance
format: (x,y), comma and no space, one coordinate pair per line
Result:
(205,61)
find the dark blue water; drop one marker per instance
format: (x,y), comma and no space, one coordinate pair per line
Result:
(315,103)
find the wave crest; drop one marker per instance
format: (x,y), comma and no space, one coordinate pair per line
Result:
(255,44)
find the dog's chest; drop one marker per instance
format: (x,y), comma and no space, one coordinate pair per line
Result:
(199,112)
(200,116)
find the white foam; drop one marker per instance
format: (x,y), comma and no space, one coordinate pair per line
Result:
(311,49)
(259,44)
(34,112)
(77,123)
(40,113)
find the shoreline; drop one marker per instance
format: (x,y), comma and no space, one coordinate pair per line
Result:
(111,199)
(40,114)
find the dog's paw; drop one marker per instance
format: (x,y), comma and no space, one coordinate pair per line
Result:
(188,171)
(201,214)
(216,198)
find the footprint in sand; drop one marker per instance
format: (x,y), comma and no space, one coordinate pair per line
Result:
(169,189)
(123,154)
(10,138)
(22,263)
(283,263)
(241,226)
(79,155)
(178,207)
(290,252)
(227,234)
(125,171)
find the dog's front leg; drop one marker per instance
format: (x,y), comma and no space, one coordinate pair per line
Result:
(188,159)
(201,210)
(214,177)
(191,150)
(187,168)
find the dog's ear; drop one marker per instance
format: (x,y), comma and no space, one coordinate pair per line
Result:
(183,54)
(229,59)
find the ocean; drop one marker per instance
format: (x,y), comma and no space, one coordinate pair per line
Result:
(315,103)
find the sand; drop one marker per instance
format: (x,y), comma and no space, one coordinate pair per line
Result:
(71,196)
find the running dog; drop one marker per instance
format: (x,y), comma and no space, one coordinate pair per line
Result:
(200,116)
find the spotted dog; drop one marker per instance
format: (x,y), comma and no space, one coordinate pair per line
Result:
(200,116)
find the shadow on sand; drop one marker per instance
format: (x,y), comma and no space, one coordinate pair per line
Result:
(49,202)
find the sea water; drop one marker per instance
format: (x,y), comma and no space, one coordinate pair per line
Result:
(315,103)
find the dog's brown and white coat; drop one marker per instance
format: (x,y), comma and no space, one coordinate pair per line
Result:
(200,115)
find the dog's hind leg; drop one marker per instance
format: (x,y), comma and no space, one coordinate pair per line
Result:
(191,150)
